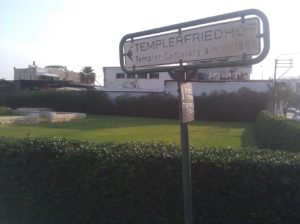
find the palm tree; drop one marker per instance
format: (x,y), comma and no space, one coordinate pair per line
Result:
(87,75)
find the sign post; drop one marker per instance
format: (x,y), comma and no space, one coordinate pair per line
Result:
(186,114)
(233,39)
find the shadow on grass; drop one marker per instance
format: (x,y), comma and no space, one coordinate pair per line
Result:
(248,137)
(94,122)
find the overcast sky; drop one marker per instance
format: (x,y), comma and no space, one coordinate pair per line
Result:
(87,33)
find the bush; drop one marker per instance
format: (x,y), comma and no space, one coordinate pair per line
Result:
(152,105)
(243,105)
(94,102)
(277,132)
(60,181)
(239,106)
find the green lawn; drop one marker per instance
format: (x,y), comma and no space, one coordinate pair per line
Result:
(4,111)
(98,128)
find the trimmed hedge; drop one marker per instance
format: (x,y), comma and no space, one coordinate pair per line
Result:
(60,181)
(243,105)
(277,132)
(93,102)
(152,105)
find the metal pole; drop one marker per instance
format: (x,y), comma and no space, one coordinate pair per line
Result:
(274,89)
(280,63)
(186,166)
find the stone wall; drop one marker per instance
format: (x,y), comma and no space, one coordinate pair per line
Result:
(17,120)
(32,116)
(64,116)
(28,110)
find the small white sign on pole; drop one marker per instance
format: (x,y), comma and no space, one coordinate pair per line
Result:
(187,102)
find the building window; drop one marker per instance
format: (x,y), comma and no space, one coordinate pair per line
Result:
(120,75)
(201,76)
(142,76)
(154,76)
(130,76)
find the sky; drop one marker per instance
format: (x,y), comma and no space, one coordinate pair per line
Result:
(77,33)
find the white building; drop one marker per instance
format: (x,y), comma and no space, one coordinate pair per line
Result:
(116,79)
(224,73)
(208,87)
(116,82)
(51,72)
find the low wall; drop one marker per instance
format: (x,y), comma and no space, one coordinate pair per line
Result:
(17,120)
(28,110)
(64,116)
(32,116)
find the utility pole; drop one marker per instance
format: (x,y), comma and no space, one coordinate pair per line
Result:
(286,64)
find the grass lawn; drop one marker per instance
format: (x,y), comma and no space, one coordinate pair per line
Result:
(4,111)
(99,128)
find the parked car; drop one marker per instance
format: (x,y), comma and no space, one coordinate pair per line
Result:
(297,115)
(292,110)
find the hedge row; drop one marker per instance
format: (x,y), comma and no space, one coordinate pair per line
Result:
(239,106)
(59,181)
(94,102)
(151,105)
(275,132)
(243,105)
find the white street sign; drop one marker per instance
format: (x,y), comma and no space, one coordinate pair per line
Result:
(223,40)
(187,102)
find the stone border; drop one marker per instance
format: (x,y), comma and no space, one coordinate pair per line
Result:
(28,110)
(64,116)
(19,120)
(32,116)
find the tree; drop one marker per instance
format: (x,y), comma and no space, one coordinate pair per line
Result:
(87,75)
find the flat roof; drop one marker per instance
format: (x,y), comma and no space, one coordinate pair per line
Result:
(46,74)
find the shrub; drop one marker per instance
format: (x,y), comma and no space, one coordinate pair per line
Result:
(243,105)
(61,181)
(94,102)
(239,106)
(151,105)
(277,132)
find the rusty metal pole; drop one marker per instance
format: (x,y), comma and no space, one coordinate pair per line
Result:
(180,77)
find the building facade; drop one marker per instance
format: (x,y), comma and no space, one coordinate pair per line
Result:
(62,72)
(115,78)
(117,83)
(209,87)
(51,72)
(224,73)
(29,73)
